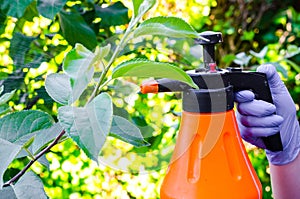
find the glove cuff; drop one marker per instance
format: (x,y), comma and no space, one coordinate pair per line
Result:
(290,150)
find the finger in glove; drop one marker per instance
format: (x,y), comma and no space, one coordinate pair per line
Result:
(244,96)
(267,121)
(257,132)
(258,108)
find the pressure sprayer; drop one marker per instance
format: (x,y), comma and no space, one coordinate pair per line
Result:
(209,160)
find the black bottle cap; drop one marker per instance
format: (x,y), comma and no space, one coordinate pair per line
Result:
(209,37)
(208,100)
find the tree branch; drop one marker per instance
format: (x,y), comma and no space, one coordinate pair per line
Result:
(40,154)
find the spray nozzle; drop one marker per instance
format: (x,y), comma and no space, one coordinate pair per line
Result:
(211,39)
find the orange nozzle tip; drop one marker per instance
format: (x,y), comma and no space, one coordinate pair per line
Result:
(149,87)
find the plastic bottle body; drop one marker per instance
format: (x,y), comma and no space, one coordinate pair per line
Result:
(210,161)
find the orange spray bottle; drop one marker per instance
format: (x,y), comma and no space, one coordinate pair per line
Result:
(209,160)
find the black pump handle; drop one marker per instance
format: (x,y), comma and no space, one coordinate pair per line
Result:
(256,82)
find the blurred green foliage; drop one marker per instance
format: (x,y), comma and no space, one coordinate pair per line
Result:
(33,46)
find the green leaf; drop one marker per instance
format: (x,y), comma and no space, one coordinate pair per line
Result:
(79,68)
(3,75)
(45,136)
(124,88)
(43,160)
(140,7)
(36,61)
(78,65)
(166,26)
(8,152)
(293,64)
(101,52)
(58,86)
(76,30)
(77,60)
(248,35)
(261,54)
(4,109)
(8,192)
(30,12)
(2,21)
(145,68)
(42,94)
(127,132)
(13,81)
(19,46)
(88,126)
(120,112)
(18,124)
(49,8)
(242,59)
(114,15)
(6,97)
(14,8)
(292,50)
(30,186)
(136,5)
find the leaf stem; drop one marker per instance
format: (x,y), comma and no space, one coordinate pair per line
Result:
(40,154)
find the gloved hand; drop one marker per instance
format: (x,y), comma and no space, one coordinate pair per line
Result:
(256,118)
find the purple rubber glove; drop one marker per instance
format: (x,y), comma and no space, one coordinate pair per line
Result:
(256,118)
